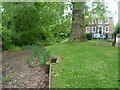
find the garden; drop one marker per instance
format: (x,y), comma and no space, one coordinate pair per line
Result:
(43,45)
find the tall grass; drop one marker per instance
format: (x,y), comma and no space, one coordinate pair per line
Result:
(39,55)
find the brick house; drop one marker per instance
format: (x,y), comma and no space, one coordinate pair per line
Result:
(98,26)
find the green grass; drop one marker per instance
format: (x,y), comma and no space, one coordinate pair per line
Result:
(85,65)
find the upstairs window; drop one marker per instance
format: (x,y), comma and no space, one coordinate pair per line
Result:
(87,29)
(93,21)
(99,21)
(94,29)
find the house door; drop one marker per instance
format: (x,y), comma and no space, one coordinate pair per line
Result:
(100,30)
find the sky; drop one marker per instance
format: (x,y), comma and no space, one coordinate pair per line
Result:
(113,7)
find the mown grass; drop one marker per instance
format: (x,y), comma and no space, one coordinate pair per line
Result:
(85,65)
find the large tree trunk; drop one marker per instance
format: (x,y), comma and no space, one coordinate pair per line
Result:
(78,21)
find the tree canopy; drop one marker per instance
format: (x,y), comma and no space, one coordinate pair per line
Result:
(33,22)
(25,23)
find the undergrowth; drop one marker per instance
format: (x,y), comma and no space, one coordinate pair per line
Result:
(14,48)
(39,55)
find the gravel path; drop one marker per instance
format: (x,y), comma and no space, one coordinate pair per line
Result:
(22,76)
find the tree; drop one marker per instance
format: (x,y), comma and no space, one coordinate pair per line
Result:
(117,31)
(78,21)
(117,28)
(82,17)
(34,22)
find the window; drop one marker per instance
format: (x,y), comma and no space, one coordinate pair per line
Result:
(93,21)
(107,29)
(87,29)
(93,29)
(107,21)
(99,21)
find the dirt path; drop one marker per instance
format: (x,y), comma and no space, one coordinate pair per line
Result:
(22,75)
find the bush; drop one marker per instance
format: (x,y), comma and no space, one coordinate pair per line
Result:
(25,38)
(6,38)
(13,48)
(118,36)
(39,55)
(89,36)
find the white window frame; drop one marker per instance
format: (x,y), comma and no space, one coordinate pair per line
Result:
(105,28)
(92,21)
(87,31)
(99,21)
(107,22)
(92,29)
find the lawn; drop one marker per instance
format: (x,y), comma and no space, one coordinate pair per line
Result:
(89,64)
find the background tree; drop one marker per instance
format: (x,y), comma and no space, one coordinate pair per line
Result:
(78,21)
(25,23)
(33,23)
(83,13)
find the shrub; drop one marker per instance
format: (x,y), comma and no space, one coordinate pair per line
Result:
(89,36)
(13,48)
(6,38)
(25,38)
(118,35)
(109,41)
(39,55)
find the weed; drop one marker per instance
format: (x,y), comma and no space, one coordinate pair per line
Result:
(6,79)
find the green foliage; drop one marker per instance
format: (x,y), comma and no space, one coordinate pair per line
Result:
(13,48)
(6,38)
(117,28)
(89,36)
(7,41)
(6,79)
(109,40)
(23,22)
(34,22)
(98,10)
(28,23)
(118,36)
(39,55)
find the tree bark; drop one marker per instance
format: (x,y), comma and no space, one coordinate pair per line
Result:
(78,21)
